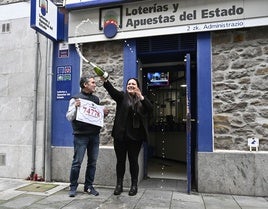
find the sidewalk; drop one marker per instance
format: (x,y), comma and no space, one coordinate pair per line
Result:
(13,194)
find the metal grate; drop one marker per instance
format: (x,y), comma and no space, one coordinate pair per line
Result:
(167,43)
(164,43)
(143,45)
(188,41)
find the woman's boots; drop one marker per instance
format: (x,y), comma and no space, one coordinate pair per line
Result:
(133,188)
(119,187)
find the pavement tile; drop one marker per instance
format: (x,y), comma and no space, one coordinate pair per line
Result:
(48,206)
(9,194)
(155,199)
(83,204)
(59,197)
(212,201)
(246,202)
(164,184)
(193,197)
(22,201)
(123,200)
(6,184)
(186,205)
(116,202)
(186,201)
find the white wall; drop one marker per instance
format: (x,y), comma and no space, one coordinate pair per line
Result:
(17,67)
(14,11)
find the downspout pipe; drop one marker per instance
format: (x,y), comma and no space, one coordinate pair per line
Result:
(49,74)
(45,115)
(35,105)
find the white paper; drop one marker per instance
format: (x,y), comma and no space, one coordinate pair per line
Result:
(89,112)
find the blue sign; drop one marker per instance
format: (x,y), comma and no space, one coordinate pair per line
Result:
(64,82)
(46,19)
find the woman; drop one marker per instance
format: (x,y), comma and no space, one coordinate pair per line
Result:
(129,130)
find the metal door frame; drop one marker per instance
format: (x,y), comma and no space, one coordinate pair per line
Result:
(188,122)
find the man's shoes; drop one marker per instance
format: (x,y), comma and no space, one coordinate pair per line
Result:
(72,193)
(91,190)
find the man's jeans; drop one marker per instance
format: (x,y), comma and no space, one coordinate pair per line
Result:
(81,144)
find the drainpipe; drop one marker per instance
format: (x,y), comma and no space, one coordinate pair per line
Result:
(35,105)
(47,116)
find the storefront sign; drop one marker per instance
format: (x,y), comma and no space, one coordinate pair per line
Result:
(64,82)
(151,18)
(89,112)
(178,14)
(46,19)
(63,50)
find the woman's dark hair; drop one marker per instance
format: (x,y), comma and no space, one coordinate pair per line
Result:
(137,81)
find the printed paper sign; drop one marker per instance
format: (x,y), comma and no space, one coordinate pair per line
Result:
(253,142)
(89,112)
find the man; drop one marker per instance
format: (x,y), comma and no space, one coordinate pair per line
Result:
(86,138)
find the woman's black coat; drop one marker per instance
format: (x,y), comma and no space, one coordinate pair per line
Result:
(122,119)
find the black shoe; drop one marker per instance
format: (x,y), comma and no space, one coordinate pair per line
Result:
(118,190)
(72,193)
(91,190)
(133,190)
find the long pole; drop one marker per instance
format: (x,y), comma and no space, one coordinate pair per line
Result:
(48,113)
(35,104)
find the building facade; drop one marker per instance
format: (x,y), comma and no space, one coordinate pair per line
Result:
(25,63)
(217,50)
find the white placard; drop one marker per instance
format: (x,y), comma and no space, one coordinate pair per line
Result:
(89,112)
(253,142)
(47,17)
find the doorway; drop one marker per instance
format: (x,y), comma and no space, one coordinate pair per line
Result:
(163,75)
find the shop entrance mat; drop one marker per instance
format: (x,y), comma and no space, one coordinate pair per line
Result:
(37,187)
